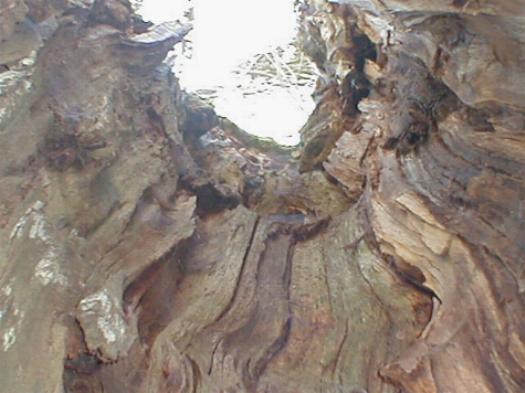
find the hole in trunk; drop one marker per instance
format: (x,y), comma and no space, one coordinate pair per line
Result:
(243,57)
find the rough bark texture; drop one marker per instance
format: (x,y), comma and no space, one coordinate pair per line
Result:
(149,246)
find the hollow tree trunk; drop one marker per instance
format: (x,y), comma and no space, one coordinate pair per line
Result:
(149,246)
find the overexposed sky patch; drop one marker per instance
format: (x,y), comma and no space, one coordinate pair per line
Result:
(226,34)
(230,31)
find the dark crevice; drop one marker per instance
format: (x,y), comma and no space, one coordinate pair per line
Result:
(271,352)
(84,363)
(159,280)
(308,231)
(81,367)
(215,347)
(136,289)
(196,374)
(209,199)
(158,292)
(427,104)
(410,275)
(367,50)
(356,86)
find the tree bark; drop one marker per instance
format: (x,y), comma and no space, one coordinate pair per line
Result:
(148,245)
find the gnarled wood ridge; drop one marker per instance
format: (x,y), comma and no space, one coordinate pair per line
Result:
(148,245)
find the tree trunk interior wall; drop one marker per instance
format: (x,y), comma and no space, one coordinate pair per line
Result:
(148,245)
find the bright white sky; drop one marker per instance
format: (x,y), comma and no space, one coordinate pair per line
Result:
(225,34)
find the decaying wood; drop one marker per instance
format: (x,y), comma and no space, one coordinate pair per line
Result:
(149,246)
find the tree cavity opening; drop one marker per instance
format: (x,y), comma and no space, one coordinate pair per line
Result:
(243,57)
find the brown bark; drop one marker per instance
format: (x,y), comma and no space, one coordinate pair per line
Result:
(149,246)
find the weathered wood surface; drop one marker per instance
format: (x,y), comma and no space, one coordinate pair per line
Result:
(148,246)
